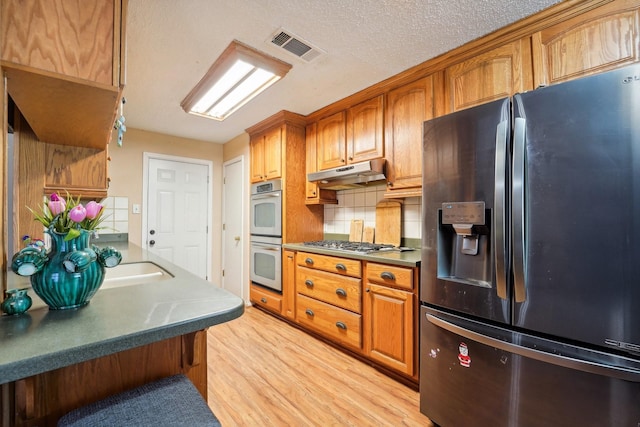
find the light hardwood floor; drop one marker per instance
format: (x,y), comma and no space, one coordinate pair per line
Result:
(263,372)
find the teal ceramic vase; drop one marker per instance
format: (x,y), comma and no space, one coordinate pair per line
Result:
(17,301)
(72,272)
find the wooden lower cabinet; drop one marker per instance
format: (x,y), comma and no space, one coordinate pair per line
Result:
(264,298)
(42,399)
(390,337)
(370,308)
(338,324)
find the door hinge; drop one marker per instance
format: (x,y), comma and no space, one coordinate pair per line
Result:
(224,227)
(222,273)
(224,180)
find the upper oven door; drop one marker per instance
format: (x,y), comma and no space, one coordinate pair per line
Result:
(266,214)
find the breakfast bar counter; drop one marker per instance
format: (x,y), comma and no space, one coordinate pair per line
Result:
(132,331)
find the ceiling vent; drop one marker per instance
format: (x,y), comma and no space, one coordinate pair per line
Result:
(295,45)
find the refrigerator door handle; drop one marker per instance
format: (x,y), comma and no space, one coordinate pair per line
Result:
(519,260)
(626,374)
(500,231)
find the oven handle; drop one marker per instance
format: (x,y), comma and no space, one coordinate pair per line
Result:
(265,195)
(267,246)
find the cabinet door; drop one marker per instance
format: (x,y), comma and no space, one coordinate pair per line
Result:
(407,109)
(364,131)
(331,142)
(273,153)
(81,171)
(599,40)
(311,160)
(76,39)
(390,338)
(496,74)
(289,284)
(257,148)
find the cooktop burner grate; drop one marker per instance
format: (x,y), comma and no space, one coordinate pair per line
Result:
(357,247)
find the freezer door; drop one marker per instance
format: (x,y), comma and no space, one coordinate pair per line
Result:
(465,216)
(576,222)
(472,374)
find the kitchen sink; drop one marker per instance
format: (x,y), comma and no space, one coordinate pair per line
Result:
(133,274)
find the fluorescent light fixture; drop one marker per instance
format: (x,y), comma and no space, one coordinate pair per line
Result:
(237,76)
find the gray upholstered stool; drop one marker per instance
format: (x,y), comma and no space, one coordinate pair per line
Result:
(171,401)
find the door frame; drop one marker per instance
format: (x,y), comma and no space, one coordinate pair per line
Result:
(147,156)
(245,223)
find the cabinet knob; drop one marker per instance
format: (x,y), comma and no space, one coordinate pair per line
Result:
(309,283)
(341,267)
(390,184)
(350,158)
(263,300)
(308,261)
(341,292)
(343,160)
(309,312)
(341,325)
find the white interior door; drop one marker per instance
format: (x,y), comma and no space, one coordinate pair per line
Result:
(233,238)
(178,213)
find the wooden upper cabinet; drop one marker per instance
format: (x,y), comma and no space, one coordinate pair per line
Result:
(311,190)
(273,153)
(365,130)
(407,108)
(74,39)
(330,137)
(81,171)
(498,73)
(64,62)
(599,40)
(314,194)
(256,151)
(266,155)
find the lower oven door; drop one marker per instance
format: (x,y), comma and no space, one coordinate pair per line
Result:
(266,262)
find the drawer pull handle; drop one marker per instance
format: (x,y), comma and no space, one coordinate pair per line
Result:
(341,267)
(308,261)
(387,275)
(309,283)
(263,300)
(341,325)
(309,312)
(341,292)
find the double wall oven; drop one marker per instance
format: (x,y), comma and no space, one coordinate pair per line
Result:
(266,234)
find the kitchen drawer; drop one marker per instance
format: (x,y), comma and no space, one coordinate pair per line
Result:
(332,322)
(332,264)
(390,275)
(344,292)
(264,298)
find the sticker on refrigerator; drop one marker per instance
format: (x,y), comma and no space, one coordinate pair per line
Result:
(463,355)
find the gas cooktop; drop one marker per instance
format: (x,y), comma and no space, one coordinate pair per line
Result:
(355,247)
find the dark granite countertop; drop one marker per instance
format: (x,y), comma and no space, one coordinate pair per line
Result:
(116,319)
(405,258)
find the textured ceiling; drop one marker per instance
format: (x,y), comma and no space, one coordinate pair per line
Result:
(172,43)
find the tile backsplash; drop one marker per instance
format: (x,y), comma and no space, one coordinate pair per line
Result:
(360,203)
(116,214)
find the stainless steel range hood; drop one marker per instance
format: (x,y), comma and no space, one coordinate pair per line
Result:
(350,176)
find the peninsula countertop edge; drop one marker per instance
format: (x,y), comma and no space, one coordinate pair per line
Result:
(116,319)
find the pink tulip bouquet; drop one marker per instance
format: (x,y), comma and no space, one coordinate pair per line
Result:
(69,216)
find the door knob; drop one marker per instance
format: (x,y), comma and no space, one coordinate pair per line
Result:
(152,232)
(152,242)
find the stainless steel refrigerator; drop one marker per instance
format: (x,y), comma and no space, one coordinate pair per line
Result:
(530,283)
